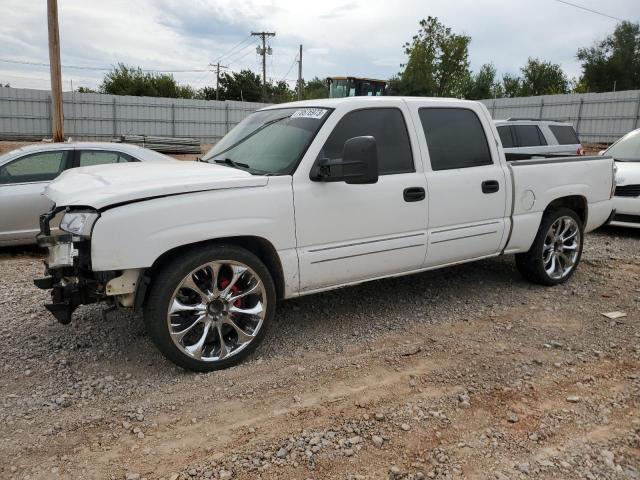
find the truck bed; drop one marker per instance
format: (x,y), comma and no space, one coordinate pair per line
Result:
(537,181)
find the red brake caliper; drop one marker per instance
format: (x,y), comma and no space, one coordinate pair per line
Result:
(234,289)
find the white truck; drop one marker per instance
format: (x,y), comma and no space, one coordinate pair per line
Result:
(305,197)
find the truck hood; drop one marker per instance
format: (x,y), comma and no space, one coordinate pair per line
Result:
(628,173)
(104,185)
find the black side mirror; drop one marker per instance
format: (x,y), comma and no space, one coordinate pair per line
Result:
(359,163)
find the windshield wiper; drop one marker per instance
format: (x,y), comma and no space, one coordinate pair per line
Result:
(231,163)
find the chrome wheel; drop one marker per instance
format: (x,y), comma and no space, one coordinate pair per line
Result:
(217,310)
(561,247)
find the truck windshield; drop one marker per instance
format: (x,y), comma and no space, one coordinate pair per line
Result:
(627,149)
(269,142)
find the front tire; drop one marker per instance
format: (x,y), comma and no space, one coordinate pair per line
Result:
(556,250)
(209,307)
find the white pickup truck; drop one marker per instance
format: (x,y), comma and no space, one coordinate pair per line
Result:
(305,197)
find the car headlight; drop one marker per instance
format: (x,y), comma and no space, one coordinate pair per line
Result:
(79,223)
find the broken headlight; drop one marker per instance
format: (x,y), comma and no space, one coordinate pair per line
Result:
(79,223)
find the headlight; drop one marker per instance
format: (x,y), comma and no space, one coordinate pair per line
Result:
(79,223)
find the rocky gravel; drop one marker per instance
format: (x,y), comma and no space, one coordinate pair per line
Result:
(462,373)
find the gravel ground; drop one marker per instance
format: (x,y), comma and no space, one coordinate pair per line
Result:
(462,373)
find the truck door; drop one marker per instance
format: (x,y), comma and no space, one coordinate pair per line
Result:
(348,233)
(467,185)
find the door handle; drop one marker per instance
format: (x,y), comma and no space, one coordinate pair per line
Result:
(490,186)
(413,194)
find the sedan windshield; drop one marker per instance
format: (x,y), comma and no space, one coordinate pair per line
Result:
(269,142)
(627,149)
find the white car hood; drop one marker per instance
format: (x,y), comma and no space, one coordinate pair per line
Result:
(628,173)
(104,185)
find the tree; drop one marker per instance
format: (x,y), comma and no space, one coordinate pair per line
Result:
(315,88)
(244,85)
(483,84)
(614,60)
(511,85)
(437,64)
(543,78)
(280,92)
(124,80)
(206,93)
(86,90)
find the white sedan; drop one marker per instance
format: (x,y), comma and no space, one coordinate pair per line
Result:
(25,172)
(626,153)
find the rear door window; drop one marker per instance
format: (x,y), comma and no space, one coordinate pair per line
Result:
(506,136)
(387,126)
(455,138)
(529,136)
(37,167)
(565,134)
(89,158)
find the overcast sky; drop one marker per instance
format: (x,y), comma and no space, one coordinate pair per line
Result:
(350,37)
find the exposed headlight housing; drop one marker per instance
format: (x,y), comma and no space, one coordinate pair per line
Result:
(79,223)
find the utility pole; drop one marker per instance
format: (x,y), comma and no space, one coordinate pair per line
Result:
(300,74)
(57,118)
(218,67)
(264,52)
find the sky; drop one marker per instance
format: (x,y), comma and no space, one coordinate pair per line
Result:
(349,37)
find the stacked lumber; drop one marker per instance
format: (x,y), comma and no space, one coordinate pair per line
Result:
(162,144)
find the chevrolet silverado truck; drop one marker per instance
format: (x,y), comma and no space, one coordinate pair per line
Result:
(304,197)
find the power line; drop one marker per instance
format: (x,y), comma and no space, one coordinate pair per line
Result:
(232,49)
(590,10)
(295,59)
(96,68)
(237,60)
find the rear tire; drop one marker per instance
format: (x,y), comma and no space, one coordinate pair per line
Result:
(556,250)
(210,307)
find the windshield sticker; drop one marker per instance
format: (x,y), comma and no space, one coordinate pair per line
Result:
(316,113)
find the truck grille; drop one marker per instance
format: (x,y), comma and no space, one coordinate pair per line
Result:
(620,217)
(628,191)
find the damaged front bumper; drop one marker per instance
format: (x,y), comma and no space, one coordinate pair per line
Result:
(68,271)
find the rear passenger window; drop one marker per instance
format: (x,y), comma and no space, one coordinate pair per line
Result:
(529,136)
(89,158)
(506,137)
(387,126)
(455,138)
(565,134)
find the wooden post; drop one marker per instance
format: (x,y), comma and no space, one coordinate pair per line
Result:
(300,74)
(57,116)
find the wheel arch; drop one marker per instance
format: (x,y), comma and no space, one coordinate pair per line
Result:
(259,246)
(577,203)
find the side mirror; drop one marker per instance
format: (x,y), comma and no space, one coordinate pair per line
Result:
(358,165)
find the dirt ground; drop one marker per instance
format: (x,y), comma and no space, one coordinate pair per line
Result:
(462,373)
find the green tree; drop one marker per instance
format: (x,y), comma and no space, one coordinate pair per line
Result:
(125,80)
(206,93)
(483,84)
(543,78)
(616,59)
(244,85)
(86,90)
(437,64)
(280,92)
(315,88)
(511,85)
